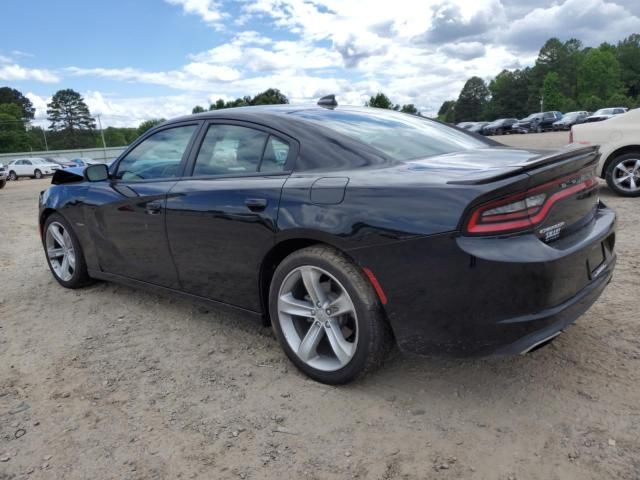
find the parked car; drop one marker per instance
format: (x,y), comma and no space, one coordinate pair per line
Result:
(4,175)
(465,125)
(499,127)
(569,119)
(537,122)
(477,127)
(62,161)
(31,167)
(605,114)
(619,140)
(79,162)
(345,228)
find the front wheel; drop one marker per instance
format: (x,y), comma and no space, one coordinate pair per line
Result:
(327,316)
(539,129)
(12,176)
(3,182)
(64,253)
(623,175)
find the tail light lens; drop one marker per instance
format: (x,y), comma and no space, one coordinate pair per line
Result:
(522,211)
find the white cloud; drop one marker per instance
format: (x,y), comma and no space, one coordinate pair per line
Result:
(415,52)
(208,10)
(13,71)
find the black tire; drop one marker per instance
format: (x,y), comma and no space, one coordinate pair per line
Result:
(37,174)
(3,182)
(539,129)
(611,172)
(13,176)
(374,334)
(80,277)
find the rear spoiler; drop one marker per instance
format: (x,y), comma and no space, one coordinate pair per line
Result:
(582,154)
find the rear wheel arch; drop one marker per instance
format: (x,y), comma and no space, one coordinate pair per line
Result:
(275,256)
(616,153)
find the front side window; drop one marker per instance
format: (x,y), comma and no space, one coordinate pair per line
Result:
(233,149)
(158,156)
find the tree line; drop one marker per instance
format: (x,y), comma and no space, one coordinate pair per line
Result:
(71,124)
(566,77)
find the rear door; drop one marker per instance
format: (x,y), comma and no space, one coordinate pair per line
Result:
(221,222)
(128,219)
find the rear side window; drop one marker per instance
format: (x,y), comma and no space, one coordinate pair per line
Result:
(275,155)
(399,136)
(234,149)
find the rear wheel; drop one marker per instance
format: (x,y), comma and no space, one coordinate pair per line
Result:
(623,174)
(37,174)
(327,316)
(64,253)
(13,176)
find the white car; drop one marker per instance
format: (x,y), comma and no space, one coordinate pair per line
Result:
(3,176)
(31,167)
(605,114)
(619,140)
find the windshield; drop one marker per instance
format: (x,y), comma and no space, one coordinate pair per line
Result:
(570,116)
(529,117)
(38,160)
(604,111)
(400,136)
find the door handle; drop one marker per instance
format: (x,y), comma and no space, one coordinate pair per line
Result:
(153,208)
(256,204)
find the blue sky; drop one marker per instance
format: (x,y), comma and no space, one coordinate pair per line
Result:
(134,60)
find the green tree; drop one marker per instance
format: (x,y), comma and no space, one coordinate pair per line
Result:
(114,137)
(198,109)
(628,54)
(599,74)
(11,95)
(592,103)
(552,92)
(380,100)
(447,112)
(71,122)
(619,100)
(509,94)
(14,110)
(219,105)
(472,101)
(148,124)
(271,96)
(410,108)
(13,135)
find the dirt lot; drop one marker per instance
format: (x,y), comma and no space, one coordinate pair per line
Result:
(113,383)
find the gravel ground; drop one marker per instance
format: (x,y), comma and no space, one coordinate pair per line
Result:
(113,383)
(534,140)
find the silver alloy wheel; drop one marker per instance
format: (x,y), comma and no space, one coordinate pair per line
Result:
(62,255)
(37,174)
(626,175)
(318,318)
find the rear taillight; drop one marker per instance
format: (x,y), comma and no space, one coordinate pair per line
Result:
(522,211)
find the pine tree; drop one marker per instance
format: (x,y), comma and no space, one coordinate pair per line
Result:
(70,120)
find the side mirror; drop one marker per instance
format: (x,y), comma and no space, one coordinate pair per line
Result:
(97,173)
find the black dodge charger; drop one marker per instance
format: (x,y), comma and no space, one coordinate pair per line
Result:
(347,229)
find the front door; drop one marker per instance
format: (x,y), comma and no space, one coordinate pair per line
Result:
(221,222)
(129,215)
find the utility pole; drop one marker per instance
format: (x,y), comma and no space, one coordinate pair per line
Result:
(44,134)
(104,145)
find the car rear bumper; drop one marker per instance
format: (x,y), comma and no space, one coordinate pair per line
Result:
(460,296)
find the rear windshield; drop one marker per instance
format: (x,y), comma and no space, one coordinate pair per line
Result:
(398,135)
